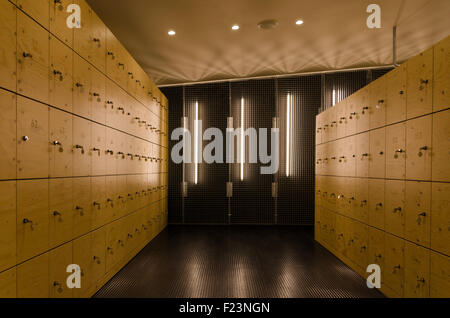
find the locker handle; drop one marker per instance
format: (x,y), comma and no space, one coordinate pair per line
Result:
(26,221)
(130,155)
(111,54)
(423,214)
(60,289)
(137,118)
(398,209)
(56,72)
(25,138)
(381,101)
(378,256)
(364,109)
(97,204)
(381,153)
(131,74)
(340,235)
(56,213)
(365,155)
(25,54)
(137,230)
(130,235)
(399,150)
(96,94)
(121,65)
(138,81)
(341,196)
(120,242)
(378,205)
(333,158)
(422,81)
(80,209)
(144,227)
(401,92)
(79,85)
(57,1)
(110,152)
(121,108)
(96,149)
(56,143)
(110,250)
(332,195)
(97,259)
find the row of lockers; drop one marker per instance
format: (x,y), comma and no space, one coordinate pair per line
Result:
(418,87)
(414,210)
(100,254)
(44,66)
(415,150)
(37,215)
(40,142)
(407,269)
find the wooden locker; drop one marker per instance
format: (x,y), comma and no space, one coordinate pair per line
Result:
(337,168)
(32,278)
(97,96)
(361,245)
(61,141)
(81,87)
(8,65)
(417,271)
(121,205)
(318,129)
(360,201)
(350,114)
(82,256)
(362,109)
(98,150)
(440,217)
(82,206)
(394,273)
(439,276)
(8,283)
(97,54)
(39,10)
(441,82)
(131,67)
(59,259)
(377,153)
(396,95)
(112,194)
(32,218)
(111,243)
(376,252)
(441,145)
(396,151)
(58,21)
(376,203)
(7,224)
(81,147)
(324,122)
(418,212)
(111,151)
(98,239)
(61,211)
(395,207)
(377,103)
(61,80)
(98,197)
(32,59)
(418,148)
(332,121)
(362,155)
(8,144)
(82,36)
(419,98)
(348,158)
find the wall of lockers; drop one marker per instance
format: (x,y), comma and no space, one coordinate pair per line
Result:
(383,177)
(83,160)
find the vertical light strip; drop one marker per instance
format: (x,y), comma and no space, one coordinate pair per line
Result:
(196,144)
(334,97)
(242,139)
(288,133)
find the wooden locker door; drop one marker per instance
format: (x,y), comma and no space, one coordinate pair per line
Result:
(82,35)
(418,148)
(97,55)
(58,21)
(59,259)
(395,207)
(350,114)
(440,217)
(39,10)
(81,147)
(98,196)
(318,129)
(111,103)
(98,150)
(376,252)
(32,59)
(8,283)
(61,211)
(81,87)
(332,121)
(376,203)
(32,139)
(112,48)
(32,218)
(377,103)
(441,82)
(419,97)
(417,271)
(441,145)
(8,46)
(111,151)
(7,224)
(97,96)
(121,195)
(111,243)
(361,245)
(337,149)
(112,194)
(418,212)
(98,239)
(61,141)
(396,95)
(394,273)
(82,256)
(362,155)
(396,151)
(341,118)
(82,206)
(61,80)
(362,109)
(360,201)
(8,143)
(32,278)
(377,153)
(440,276)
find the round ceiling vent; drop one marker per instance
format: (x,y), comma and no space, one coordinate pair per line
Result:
(268,24)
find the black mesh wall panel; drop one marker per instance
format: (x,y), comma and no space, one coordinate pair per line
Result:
(339,86)
(378,73)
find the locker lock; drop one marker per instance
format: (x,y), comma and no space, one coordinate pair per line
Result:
(424,148)
(57,284)
(111,54)
(25,54)
(352,114)
(378,205)
(97,204)
(57,1)
(121,108)
(364,109)
(78,85)
(79,208)
(381,153)
(398,209)
(420,216)
(56,213)
(110,152)
(121,65)
(56,72)
(97,259)
(120,242)
(341,196)
(130,235)
(131,74)
(342,119)
(365,155)
(25,138)
(401,92)
(122,154)
(96,149)
(96,40)
(96,94)
(28,221)
(341,158)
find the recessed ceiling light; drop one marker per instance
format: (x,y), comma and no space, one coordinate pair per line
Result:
(235,27)
(171,32)
(299,22)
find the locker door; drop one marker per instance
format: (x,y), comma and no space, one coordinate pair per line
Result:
(32,278)
(350,114)
(98,196)
(396,151)
(396,95)
(61,80)
(97,54)
(59,259)
(32,218)
(418,212)
(81,87)
(395,264)
(97,151)
(349,159)
(395,207)
(111,55)
(417,271)
(418,152)
(440,276)
(362,155)
(58,21)
(37,9)
(81,147)
(32,59)
(361,236)
(82,35)
(376,203)
(332,121)
(83,258)
(420,84)
(441,82)
(121,196)
(361,200)
(61,212)
(376,253)
(377,103)
(97,96)
(112,238)
(377,155)
(61,141)
(32,139)
(111,198)
(440,220)
(8,283)
(8,65)
(362,109)
(318,129)
(111,151)
(441,145)
(8,148)
(98,239)
(112,102)
(82,206)
(337,151)
(7,224)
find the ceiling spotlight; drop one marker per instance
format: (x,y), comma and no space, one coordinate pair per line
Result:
(171,32)
(299,22)
(235,27)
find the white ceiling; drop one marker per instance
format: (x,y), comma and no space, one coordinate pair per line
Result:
(334,35)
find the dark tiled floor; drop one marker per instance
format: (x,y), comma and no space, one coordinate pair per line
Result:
(236,261)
